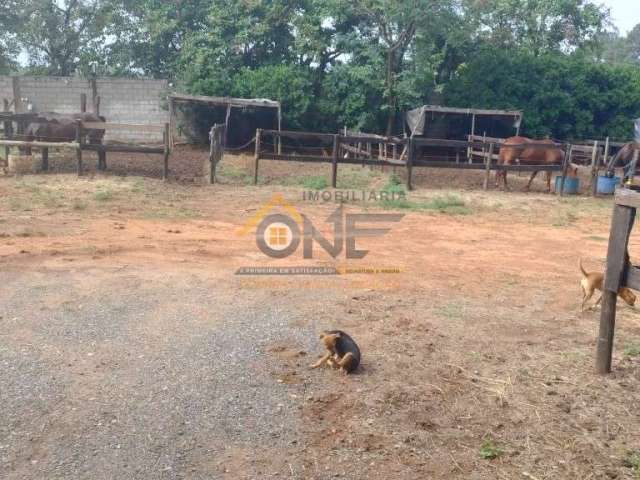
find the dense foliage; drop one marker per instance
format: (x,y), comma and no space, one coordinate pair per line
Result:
(355,63)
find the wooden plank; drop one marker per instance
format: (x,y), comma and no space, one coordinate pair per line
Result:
(482,166)
(627,197)
(122,126)
(34,144)
(300,158)
(290,134)
(122,148)
(371,139)
(617,262)
(478,138)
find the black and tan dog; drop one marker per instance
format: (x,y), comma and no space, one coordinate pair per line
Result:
(343,352)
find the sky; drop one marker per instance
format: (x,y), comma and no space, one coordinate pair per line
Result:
(625,13)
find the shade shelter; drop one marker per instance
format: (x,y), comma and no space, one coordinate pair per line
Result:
(434,121)
(241,115)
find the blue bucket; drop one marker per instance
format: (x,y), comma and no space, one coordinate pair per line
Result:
(571,185)
(606,185)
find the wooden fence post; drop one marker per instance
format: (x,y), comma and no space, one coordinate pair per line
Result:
(45,159)
(334,160)
(617,262)
(165,138)
(256,156)
(83,102)
(8,130)
(79,147)
(410,153)
(565,166)
(487,166)
(594,169)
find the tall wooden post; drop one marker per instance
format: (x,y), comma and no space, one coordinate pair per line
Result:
(227,118)
(487,166)
(594,169)
(279,129)
(83,102)
(8,130)
(165,137)
(256,156)
(45,159)
(334,160)
(212,154)
(617,263)
(565,167)
(79,147)
(172,124)
(605,160)
(410,154)
(96,105)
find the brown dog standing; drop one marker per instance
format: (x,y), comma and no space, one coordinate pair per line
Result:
(594,281)
(343,352)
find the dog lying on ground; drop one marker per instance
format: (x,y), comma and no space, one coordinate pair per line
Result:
(343,352)
(594,281)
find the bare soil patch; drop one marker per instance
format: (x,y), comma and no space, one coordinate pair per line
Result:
(477,362)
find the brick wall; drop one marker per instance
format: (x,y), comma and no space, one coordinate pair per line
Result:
(122,100)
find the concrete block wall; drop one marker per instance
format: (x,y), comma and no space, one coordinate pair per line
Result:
(55,94)
(122,100)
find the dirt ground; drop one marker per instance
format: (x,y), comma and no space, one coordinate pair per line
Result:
(130,349)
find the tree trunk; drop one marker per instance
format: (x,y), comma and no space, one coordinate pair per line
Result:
(391,94)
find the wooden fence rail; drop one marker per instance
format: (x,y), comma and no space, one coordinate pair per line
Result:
(102,149)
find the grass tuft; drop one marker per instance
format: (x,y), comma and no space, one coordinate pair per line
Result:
(632,350)
(103,195)
(489,450)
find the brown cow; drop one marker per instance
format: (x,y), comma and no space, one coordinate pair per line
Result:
(514,150)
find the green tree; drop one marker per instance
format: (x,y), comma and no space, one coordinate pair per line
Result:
(562,96)
(538,26)
(57,33)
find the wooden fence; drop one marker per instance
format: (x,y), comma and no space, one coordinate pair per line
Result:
(357,149)
(102,148)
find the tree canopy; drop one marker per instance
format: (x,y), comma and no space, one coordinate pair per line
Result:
(354,63)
